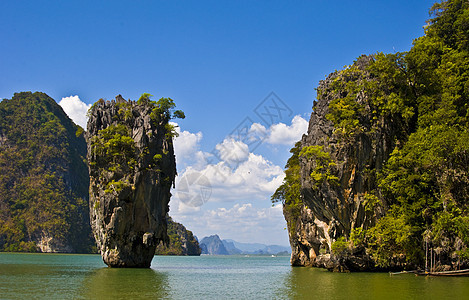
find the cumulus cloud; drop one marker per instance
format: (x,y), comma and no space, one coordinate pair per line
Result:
(232,151)
(228,181)
(280,133)
(227,190)
(232,171)
(258,132)
(75,109)
(187,147)
(243,222)
(287,135)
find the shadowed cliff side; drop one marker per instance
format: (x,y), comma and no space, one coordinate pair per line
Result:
(132,168)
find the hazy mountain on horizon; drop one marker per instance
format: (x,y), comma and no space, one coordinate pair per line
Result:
(215,246)
(212,245)
(257,248)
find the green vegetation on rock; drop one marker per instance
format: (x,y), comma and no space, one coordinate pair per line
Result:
(113,149)
(289,192)
(181,241)
(43,179)
(323,164)
(417,103)
(427,179)
(132,169)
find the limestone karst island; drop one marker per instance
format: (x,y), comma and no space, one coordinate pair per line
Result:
(376,182)
(132,168)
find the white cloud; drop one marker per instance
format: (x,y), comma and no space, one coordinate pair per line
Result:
(186,148)
(243,222)
(256,178)
(75,109)
(232,151)
(260,174)
(287,135)
(228,155)
(227,191)
(280,133)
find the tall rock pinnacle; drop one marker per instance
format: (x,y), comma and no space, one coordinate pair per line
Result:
(132,167)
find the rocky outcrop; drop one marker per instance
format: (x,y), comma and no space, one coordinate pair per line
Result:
(48,244)
(213,245)
(181,241)
(231,248)
(333,209)
(132,168)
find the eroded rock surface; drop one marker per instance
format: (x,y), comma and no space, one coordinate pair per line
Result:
(333,209)
(132,168)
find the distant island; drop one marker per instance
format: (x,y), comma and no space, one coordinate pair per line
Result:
(213,245)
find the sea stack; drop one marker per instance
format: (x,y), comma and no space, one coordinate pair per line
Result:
(132,168)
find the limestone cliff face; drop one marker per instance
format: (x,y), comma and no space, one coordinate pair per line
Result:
(333,209)
(132,168)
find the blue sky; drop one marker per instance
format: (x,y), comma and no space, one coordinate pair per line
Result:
(218,60)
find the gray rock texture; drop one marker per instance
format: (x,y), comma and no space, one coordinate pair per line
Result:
(130,180)
(333,210)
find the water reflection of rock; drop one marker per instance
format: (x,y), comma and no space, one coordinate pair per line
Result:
(110,283)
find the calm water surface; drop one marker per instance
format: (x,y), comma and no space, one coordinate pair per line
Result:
(59,276)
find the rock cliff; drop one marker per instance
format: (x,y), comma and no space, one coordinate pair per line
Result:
(380,180)
(337,172)
(132,168)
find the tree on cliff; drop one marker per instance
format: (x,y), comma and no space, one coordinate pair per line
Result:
(43,179)
(289,193)
(427,179)
(415,104)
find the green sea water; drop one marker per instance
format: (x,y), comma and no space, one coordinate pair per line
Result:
(61,276)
